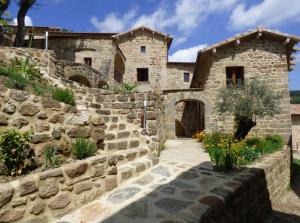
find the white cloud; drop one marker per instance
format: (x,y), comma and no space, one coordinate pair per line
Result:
(112,23)
(28,21)
(268,12)
(186,55)
(183,17)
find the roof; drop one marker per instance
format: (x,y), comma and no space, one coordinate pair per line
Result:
(80,34)
(143,28)
(265,32)
(295,109)
(39,28)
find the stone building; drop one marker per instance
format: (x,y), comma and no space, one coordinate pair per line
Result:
(138,56)
(295,109)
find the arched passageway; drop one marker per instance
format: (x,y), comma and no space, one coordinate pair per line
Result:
(80,79)
(189,117)
(119,68)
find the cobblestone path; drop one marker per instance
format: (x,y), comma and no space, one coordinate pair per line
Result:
(169,192)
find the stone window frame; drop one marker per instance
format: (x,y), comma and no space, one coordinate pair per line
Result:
(234,64)
(186,80)
(137,75)
(143,49)
(88,61)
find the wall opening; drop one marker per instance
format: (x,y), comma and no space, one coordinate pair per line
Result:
(81,80)
(119,68)
(189,118)
(235,77)
(142,74)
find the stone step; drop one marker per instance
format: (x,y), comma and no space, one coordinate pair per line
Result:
(122,144)
(135,168)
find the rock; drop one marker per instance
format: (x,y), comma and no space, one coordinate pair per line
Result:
(42,116)
(98,121)
(11,215)
(140,167)
(112,170)
(50,103)
(76,169)
(58,118)
(144,180)
(20,122)
(60,201)
(70,109)
(126,173)
(172,205)
(19,96)
(83,186)
(6,193)
(110,183)
(113,160)
(74,119)
(168,190)
(98,134)
(98,170)
(29,109)
(48,187)
(3,120)
(40,138)
(188,175)
(56,134)
(42,127)
(51,173)
(27,186)
(37,207)
(9,108)
(19,201)
(123,195)
(76,132)
(160,170)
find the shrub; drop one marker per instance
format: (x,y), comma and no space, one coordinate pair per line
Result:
(217,139)
(64,95)
(83,148)
(52,160)
(25,68)
(16,153)
(199,135)
(125,88)
(275,142)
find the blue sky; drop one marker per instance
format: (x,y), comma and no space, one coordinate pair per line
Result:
(193,23)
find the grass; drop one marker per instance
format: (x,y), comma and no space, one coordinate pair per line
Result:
(64,95)
(83,148)
(295,97)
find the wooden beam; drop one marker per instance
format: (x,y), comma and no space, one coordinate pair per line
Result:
(288,40)
(296,48)
(293,63)
(131,32)
(214,50)
(291,68)
(259,35)
(237,42)
(153,33)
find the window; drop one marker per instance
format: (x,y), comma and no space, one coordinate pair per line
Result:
(142,75)
(235,77)
(143,49)
(186,77)
(88,61)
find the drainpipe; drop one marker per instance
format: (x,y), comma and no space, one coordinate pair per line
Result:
(46,40)
(145,115)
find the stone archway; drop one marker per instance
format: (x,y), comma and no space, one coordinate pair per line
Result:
(81,80)
(103,85)
(119,68)
(173,98)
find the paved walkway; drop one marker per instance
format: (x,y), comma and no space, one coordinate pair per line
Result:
(169,192)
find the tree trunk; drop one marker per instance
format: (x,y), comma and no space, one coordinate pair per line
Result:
(19,41)
(244,125)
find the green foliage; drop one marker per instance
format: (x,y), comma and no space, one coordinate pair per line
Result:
(125,88)
(295,97)
(83,148)
(15,152)
(52,160)
(227,153)
(255,100)
(64,95)
(26,68)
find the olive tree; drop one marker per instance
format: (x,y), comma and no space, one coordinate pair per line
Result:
(255,100)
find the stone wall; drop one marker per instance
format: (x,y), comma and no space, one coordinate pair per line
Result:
(175,72)
(262,59)
(250,194)
(41,196)
(296,131)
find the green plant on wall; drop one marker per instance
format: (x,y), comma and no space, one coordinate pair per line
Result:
(52,160)
(16,152)
(83,148)
(125,88)
(64,95)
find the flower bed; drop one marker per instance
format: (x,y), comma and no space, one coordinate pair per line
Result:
(227,153)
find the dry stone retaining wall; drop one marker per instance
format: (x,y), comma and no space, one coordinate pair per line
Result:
(250,194)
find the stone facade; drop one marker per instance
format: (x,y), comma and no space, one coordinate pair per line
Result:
(296,131)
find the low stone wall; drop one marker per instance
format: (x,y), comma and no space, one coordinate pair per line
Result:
(41,196)
(45,59)
(250,194)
